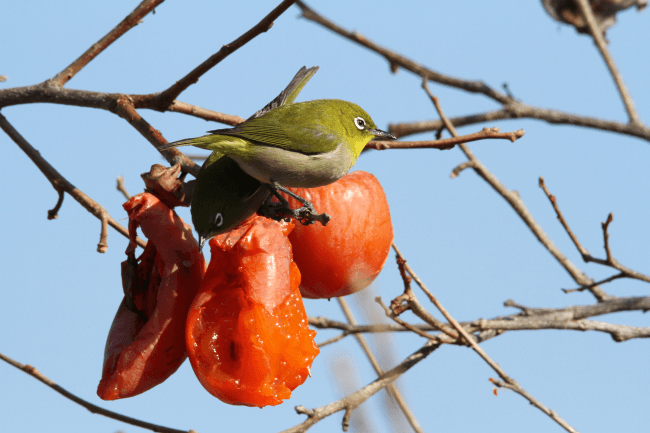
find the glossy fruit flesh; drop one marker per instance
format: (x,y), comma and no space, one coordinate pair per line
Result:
(247,334)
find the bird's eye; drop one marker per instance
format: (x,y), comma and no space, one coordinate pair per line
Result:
(360,123)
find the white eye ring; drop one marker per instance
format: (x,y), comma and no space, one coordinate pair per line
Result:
(360,123)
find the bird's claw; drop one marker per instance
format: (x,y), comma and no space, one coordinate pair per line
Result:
(305,215)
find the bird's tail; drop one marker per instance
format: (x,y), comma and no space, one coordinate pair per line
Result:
(201,142)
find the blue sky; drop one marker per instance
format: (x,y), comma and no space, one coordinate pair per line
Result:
(59,296)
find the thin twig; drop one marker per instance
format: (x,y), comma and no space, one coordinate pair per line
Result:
(583,251)
(325,323)
(518,206)
(597,283)
(586,256)
(355,399)
(390,388)
(164,99)
(91,407)
(512,384)
(511,108)
(395,60)
(446,143)
(518,110)
(121,188)
(568,318)
(600,42)
(59,183)
(391,315)
(127,111)
(205,114)
(53,213)
(333,339)
(605,226)
(125,25)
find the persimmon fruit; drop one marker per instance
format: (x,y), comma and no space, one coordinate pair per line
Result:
(347,254)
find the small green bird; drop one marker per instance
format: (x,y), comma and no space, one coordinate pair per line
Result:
(286,144)
(224,196)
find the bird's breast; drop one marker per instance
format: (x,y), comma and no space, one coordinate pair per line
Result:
(294,169)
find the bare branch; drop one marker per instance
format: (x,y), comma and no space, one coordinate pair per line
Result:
(163,100)
(203,113)
(597,283)
(568,318)
(512,108)
(53,213)
(519,207)
(560,217)
(519,110)
(445,143)
(470,340)
(59,183)
(390,388)
(354,400)
(91,407)
(395,60)
(599,40)
(586,256)
(125,25)
(407,326)
(126,110)
(326,323)
(121,188)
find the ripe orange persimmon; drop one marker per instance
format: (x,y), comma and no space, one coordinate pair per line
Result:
(247,334)
(146,342)
(347,254)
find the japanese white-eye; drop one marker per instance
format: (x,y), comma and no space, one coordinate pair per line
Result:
(305,145)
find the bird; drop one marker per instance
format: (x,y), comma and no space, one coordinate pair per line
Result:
(285,144)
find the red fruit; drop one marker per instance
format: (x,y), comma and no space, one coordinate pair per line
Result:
(347,254)
(146,346)
(247,334)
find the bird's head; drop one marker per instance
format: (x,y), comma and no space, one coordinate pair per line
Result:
(359,127)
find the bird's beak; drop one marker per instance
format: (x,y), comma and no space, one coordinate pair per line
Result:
(202,240)
(380,133)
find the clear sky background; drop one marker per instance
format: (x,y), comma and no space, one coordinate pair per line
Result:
(58,296)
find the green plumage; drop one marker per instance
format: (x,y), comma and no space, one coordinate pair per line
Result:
(304,144)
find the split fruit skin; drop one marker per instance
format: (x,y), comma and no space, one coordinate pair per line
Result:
(247,334)
(144,348)
(347,254)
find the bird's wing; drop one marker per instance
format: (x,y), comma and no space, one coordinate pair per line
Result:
(289,94)
(296,137)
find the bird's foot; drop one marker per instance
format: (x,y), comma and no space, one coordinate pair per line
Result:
(281,211)
(306,215)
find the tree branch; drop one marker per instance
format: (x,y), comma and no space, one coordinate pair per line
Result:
(125,25)
(519,110)
(354,400)
(162,101)
(61,184)
(390,388)
(586,256)
(445,143)
(91,407)
(599,40)
(471,341)
(518,206)
(397,60)
(511,109)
